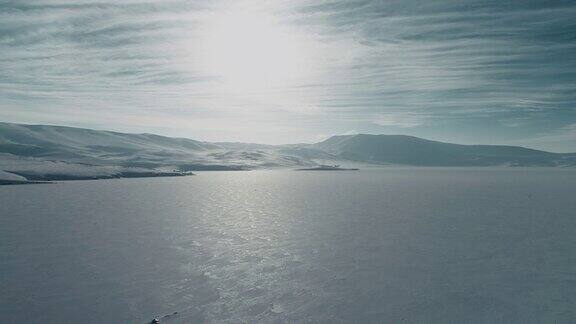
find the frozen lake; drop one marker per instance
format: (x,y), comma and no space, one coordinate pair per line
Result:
(393,245)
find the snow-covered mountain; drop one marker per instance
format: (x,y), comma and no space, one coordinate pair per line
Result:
(40,152)
(86,145)
(409,150)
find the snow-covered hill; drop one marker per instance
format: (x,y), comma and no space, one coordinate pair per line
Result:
(40,152)
(409,150)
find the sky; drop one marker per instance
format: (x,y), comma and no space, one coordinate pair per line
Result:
(470,72)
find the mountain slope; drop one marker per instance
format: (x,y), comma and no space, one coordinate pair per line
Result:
(86,145)
(409,150)
(39,152)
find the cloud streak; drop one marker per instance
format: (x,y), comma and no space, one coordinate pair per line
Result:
(438,69)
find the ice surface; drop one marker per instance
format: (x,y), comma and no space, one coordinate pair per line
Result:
(374,246)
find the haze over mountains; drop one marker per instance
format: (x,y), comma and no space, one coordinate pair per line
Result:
(40,152)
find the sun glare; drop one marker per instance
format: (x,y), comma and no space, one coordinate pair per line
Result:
(254,52)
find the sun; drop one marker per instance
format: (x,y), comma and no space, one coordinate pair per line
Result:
(251,51)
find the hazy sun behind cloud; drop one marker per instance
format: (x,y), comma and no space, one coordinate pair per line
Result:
(253,51)
(283,71)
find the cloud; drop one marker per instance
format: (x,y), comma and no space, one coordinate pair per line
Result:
(395,64)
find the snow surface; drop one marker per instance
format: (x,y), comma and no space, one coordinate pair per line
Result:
(53,152)
(15,168)
(7,176)
(40,152)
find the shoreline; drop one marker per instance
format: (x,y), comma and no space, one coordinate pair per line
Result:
(53,179)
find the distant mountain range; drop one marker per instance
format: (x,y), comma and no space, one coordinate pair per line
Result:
(409,150)
(40,152)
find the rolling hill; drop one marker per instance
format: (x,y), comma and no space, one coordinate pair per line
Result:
(409,150)
(41,152)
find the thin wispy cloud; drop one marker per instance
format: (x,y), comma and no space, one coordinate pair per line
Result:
(284,71)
